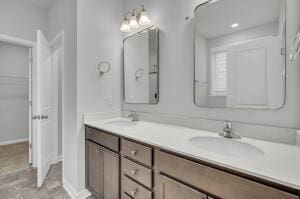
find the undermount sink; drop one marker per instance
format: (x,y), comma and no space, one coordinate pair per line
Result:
(119,123)
(225,146)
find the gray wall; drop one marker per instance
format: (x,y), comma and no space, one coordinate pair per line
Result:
(14,67)
(176,68)
(62,15)
(98,39)
(22,19)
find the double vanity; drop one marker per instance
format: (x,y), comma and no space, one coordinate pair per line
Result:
(144,160)
(239,63)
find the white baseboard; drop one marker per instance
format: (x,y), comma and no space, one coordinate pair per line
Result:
(72,192)
(14,141)
(58,159)
(83,194)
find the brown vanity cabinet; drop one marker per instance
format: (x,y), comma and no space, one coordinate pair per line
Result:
(102,171)
(117,167)
(214,181)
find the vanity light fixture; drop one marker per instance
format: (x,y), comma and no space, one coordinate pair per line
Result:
(137,17)
(234,25)
(143,18)
(125,26)
(133,21)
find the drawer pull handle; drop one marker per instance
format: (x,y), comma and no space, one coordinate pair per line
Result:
(98,150)
(133,193)
(134,172)
(133,152)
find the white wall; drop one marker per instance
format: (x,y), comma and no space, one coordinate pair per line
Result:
(62,15)
(176,68)
(14,67)
(98,39)
(21,19)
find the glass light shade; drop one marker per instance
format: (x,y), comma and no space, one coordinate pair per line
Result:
(144,20)
(133,22)
(125,26)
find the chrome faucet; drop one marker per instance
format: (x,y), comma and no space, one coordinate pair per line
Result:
(133,116)
(228,131)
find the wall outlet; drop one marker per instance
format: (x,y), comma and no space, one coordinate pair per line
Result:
(109,100)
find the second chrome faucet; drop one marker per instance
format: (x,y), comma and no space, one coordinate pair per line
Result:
(133,116)
(228,131)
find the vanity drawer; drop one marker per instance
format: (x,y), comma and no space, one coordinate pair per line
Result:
(137,172)
(137,152)
(135,190)
(102,138)
(221,184)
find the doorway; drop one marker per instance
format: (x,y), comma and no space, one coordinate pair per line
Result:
(23,152)
(15,109)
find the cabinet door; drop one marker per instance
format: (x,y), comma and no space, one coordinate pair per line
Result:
(102,171)
(171,189)
(94,169)
(111,174)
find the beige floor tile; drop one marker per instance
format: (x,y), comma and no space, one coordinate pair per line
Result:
(23,185)
(13,157)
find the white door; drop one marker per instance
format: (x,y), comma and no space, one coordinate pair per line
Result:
(255,74)
(43,109)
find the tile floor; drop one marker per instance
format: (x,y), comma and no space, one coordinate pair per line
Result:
(13,157)
(22,185)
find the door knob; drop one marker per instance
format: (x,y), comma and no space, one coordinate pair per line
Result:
(44,117)
(36,117)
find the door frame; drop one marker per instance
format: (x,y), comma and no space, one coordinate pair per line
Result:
(31,45)
(58,41)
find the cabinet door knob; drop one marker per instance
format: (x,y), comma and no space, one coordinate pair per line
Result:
(133,152)
(133,172)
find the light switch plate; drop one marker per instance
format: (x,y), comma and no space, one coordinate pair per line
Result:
(109,100)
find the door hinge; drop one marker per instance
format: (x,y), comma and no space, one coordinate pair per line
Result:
(30,145)
(30,103)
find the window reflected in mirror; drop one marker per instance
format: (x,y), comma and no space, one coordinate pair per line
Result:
(240,54)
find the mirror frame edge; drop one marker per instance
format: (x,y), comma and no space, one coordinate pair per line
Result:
(158,70)
(233,108)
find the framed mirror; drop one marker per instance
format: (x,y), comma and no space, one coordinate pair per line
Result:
(141,67)
(239,54)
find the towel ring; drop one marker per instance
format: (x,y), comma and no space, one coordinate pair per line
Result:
(103,67)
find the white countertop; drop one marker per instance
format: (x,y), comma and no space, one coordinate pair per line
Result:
(280,162)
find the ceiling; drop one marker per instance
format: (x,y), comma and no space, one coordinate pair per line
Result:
(43,3)
(214,19)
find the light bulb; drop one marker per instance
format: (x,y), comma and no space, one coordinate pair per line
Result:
(234,25)
(133,22)
(125,26)
(144,20)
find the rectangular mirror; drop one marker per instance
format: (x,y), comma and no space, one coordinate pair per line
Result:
(240,54)
(141,67)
